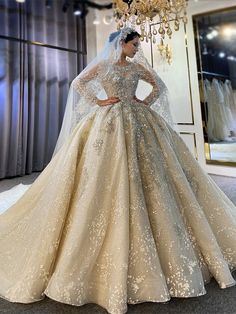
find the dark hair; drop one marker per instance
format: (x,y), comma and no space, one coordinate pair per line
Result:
(131,36)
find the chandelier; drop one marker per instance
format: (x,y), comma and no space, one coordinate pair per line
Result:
(168,15)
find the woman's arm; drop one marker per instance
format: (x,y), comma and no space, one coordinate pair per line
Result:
(81,84)
(148,77)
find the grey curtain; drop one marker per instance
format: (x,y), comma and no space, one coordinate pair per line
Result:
(41,50)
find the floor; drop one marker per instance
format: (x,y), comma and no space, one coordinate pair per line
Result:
(216,301)
(223,151)
(9,183)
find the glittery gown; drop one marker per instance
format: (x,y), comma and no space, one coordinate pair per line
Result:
(122,214)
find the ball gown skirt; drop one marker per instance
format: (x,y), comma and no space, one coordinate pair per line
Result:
(122,214)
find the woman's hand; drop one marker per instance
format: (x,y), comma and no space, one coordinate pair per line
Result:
(140,101)
(108,101)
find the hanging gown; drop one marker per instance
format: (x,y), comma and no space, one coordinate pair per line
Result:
(220,130)
(231,104)
(122,214)
(211,112)
(225,103)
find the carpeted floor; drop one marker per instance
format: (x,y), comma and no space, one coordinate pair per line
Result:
(216,301)
(228,185)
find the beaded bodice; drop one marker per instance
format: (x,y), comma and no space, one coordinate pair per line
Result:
(119,81)
(122,82)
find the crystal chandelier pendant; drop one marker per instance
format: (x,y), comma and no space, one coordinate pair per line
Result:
(156,19)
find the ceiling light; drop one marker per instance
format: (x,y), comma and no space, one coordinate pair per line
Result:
(231,58)
(221,54)
(229,31)
(77,10)
(214,33)
(20,1)
(209,36)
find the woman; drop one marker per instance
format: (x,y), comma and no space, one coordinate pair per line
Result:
(123,213)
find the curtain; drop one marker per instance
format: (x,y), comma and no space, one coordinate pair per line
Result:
(41,51)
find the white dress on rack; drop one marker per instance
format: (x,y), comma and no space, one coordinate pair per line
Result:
(210,111)
(226,106)
(221,129)
(231,104)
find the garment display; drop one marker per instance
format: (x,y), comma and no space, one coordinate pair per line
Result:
(221,121)
(123,213)
(231,103)
(226,104)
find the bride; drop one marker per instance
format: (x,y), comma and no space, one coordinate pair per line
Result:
(123,213)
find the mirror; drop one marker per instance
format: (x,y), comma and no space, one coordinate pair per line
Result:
(215,41)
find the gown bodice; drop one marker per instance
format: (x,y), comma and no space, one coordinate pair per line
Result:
(118,81)
(121,82)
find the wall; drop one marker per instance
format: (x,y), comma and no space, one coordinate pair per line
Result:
(181,79)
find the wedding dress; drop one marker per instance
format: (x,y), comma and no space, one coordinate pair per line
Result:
(211,112)
(122,214)
(226,106)
(230,101)
(218,121)
(220,108)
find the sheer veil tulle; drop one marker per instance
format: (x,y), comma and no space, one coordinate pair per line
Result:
(78,107)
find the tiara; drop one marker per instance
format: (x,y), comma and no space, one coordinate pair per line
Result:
(125,31)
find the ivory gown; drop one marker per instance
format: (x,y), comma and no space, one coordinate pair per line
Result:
(122,214)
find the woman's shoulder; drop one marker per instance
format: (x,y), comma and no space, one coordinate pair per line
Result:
(139,67)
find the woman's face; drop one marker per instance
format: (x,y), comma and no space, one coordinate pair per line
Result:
(131,47)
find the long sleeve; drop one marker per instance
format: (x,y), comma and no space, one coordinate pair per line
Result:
(147,76)
(85,85)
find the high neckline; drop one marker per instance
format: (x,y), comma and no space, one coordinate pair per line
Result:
(123,66)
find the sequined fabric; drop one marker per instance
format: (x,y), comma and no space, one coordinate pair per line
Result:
(122,214)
